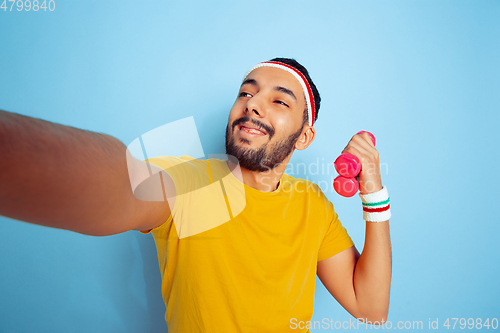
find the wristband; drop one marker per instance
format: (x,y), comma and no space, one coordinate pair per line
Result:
(376,206)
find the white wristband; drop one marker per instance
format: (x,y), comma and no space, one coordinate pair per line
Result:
(376,206)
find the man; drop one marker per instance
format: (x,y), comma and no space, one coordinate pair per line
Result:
(254,272)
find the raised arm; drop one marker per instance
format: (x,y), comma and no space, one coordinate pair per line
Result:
(361,283)
(63,177)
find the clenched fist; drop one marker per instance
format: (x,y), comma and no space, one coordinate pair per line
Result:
(362,147)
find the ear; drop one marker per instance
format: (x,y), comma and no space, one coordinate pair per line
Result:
(306,138)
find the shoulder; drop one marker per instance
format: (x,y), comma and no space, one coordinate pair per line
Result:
(179,165)
(164,162)
(306,189)
(318,209)
(186,172)
(303,186)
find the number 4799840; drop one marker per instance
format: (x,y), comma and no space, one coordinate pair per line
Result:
(28,5)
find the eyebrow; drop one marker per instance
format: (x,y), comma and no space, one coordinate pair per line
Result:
(251,82)
(277,88)
(286,91)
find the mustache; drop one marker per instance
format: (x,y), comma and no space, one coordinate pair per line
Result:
(261,126)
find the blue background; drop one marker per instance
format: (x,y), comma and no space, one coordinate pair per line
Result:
(423,76)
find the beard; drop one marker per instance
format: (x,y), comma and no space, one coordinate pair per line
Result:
(264,158)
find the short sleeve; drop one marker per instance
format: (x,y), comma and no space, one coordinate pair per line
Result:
(336,238)
(185,172)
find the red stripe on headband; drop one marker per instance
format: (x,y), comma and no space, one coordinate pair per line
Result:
(309,90)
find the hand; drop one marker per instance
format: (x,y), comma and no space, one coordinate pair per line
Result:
(362,147)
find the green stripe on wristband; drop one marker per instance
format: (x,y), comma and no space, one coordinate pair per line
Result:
(377,203)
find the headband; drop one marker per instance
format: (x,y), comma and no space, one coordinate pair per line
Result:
(311,108)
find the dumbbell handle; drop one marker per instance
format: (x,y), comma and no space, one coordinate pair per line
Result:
(348,166)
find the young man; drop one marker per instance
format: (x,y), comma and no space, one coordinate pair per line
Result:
(251,272)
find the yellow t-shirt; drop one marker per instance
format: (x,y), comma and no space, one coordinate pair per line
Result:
(236,259)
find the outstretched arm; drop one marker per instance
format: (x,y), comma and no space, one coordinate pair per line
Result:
(68,178)
(361,283)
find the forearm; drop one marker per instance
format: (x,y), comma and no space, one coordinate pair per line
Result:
(60,176)
(372,274)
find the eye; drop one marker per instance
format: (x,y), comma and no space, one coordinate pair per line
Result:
(282,103)
(244,94)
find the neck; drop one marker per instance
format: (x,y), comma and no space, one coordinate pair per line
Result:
(266,181)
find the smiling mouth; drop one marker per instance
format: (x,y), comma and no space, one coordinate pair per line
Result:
(251,130)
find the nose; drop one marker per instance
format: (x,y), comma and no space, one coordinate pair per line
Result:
(256,106)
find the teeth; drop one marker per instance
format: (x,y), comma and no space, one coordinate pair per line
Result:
(252,131)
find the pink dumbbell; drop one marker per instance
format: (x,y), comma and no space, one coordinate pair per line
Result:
(348,166)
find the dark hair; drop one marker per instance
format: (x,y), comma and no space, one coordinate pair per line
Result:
(295,64)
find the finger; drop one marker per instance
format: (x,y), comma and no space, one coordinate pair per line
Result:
(364,141)
(364,147)
(356,151)
(366,135)
(358,148)
(365,157)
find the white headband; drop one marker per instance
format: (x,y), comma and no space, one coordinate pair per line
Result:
(300,77)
